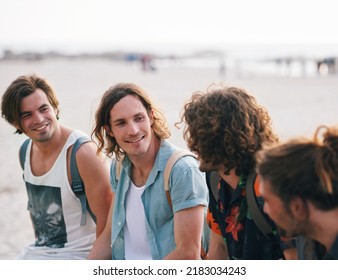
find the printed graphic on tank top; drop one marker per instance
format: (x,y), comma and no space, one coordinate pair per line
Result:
(45,206)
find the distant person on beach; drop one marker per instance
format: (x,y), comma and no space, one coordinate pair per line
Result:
(141,223)
(62,229)
(299,183)
(226,127)
(147,63)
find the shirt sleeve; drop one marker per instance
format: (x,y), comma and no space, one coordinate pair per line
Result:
(187,185)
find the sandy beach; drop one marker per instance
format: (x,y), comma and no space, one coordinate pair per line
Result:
(297,106)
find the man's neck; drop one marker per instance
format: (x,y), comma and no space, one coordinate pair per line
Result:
(232,179)
(142,165)
(57,140)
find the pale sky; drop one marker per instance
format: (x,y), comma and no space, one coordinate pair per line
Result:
(146,23)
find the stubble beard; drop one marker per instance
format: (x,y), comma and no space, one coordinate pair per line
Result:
(305,228)
(46,136)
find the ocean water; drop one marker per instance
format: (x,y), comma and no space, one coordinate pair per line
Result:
(257,58)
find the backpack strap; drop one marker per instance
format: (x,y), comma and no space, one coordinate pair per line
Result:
(170,163)
(213,178)
(22,152)
(254,209)
(77,183)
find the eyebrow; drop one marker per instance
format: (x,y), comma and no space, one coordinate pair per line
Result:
(141,114)
(41,107)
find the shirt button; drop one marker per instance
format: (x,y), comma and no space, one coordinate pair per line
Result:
(119,223)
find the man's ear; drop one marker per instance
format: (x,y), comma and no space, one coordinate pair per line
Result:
(151,117)
(16,125)
(18,128)
(299,208)
(57,112)
(108,130)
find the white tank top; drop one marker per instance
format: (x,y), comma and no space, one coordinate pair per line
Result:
(136,244)
(56,212)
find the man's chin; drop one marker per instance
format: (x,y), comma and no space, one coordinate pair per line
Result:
(286,233)
(44,138)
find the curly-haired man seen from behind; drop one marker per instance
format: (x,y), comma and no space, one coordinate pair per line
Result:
(226,127)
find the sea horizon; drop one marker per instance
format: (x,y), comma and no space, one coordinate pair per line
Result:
(244,50)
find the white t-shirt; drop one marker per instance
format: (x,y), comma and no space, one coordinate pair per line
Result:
(135,236)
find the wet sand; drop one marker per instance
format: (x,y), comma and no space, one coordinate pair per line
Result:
(297,107)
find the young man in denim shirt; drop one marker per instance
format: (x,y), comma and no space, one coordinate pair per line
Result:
(141,223)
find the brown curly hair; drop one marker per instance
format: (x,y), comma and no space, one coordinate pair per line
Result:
(225,126)
(102,117)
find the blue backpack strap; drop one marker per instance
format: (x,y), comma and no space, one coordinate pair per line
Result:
(22,152)
(77,183)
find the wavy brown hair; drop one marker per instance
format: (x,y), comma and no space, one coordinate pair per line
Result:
(304,168)
(225,126)
(102,117)
(20,88)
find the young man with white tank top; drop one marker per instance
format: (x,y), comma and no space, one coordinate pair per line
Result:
(31,106)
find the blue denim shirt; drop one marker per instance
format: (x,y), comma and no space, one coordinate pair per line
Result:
(187,189)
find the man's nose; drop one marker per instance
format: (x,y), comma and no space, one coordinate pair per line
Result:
(132,128)
(38,118)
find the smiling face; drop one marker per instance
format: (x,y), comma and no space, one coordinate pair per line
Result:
(37,116)
(130,125)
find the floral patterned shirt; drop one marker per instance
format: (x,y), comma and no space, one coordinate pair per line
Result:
(228,216)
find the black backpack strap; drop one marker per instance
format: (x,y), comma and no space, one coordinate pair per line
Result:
(256,213)
(213,179)
(77,183)
(22,152)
